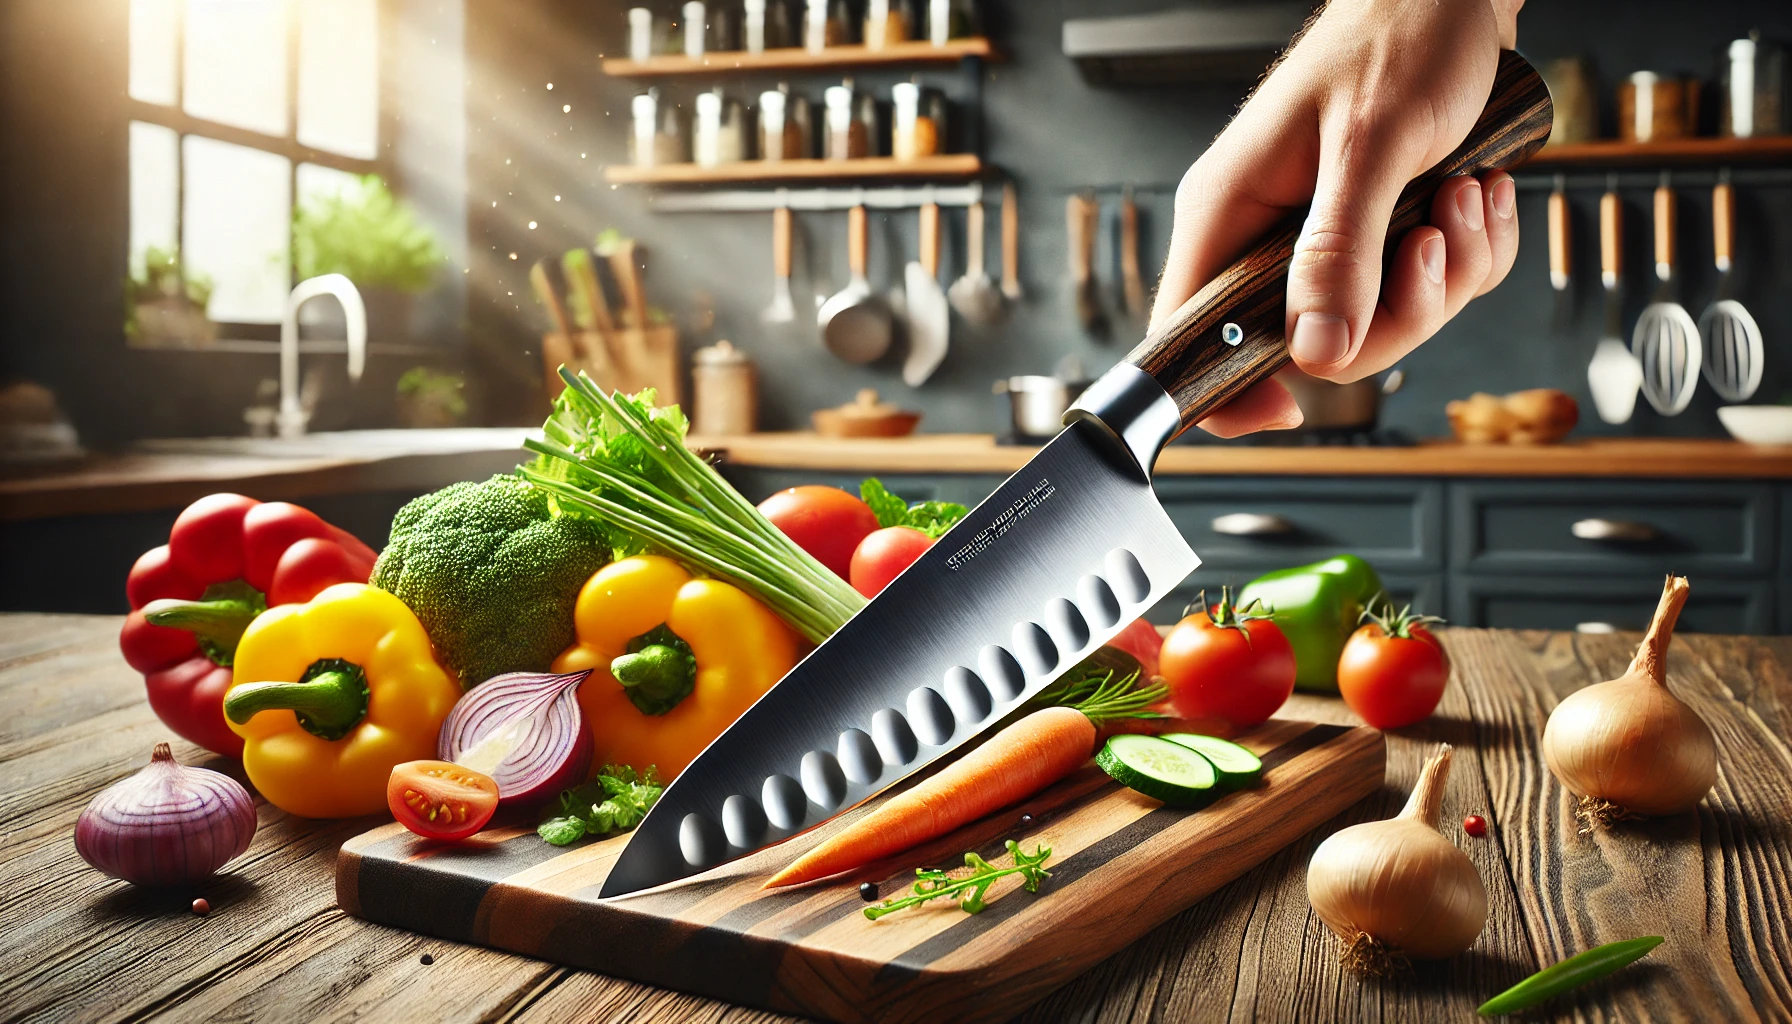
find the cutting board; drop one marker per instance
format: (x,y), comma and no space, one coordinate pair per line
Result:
(1121,864)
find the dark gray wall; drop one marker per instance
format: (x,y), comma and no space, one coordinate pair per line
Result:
(1054,134)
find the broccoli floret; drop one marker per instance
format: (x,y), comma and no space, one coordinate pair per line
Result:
(491,573)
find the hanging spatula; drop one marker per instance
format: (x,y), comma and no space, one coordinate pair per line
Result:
(1047,569)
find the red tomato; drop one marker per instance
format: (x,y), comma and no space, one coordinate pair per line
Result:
(1141,640)
(1240,670)
(1390,680)
(826,522)
(440,799)
(883,555)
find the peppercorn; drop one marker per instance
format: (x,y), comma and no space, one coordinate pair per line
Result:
(426,959)
(201,906)
(1475,825)
(868,891)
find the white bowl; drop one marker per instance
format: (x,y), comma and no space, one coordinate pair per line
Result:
(1758,424)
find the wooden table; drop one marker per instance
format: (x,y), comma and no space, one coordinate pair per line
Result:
(77,945)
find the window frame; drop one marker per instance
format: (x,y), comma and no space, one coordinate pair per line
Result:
(174,116)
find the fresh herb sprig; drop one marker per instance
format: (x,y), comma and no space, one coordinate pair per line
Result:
(933,518)
(1571,973)
(615,801)
(931,884)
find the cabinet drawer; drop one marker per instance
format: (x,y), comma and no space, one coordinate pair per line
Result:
(1240,524)
(1579,527)
(1716,605)
(1424,592)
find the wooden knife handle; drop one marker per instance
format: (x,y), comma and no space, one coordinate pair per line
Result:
(1559,242)
(973,240)
(930,239)
(1230,334)
(1611,238)
(1666,207)
(1723,224)
(781,230)
(1082,238)
(1010,241)
(858,241)
(544,290)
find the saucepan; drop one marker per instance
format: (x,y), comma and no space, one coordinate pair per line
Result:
(1037,404)
(1326,406)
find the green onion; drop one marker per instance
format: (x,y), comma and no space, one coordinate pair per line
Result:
(619,460)
(1573,972)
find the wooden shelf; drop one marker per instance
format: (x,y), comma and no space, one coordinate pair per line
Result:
(760,172)
(797,59)
(1672,152)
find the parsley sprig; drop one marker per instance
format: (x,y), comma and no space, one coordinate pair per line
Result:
(931,884)
(615,801)
(933,518)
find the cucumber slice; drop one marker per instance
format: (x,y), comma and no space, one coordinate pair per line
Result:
(1171,773)
(1237,766)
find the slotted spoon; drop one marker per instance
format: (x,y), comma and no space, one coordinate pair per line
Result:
(1666,340)
(1732,339)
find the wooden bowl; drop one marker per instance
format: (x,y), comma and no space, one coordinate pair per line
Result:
(865,416)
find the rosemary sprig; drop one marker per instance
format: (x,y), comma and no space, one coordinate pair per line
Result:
(931,883)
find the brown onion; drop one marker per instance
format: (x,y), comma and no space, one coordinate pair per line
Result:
(167,824)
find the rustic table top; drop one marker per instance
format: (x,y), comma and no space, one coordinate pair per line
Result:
(80,946)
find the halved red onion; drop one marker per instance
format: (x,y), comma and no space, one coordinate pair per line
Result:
(524,729)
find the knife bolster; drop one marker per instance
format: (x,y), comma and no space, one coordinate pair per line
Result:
(1133,410)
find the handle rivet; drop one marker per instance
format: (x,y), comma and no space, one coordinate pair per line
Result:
(1232,334)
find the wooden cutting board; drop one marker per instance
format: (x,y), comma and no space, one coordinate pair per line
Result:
(1121,864)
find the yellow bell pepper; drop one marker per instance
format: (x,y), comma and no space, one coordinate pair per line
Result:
(330,694)
(675,660)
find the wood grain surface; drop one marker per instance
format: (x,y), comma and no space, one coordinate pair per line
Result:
(1120,865)
(80,946)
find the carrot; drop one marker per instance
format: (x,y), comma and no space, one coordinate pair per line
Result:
(1012,765)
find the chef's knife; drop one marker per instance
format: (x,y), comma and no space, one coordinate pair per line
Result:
(1049,567)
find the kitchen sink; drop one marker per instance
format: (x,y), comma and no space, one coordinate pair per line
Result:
(361,444)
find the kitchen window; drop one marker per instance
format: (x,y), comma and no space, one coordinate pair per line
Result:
(238,109)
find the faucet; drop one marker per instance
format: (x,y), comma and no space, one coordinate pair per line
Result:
(293,417)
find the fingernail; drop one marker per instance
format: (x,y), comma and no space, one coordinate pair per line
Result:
(1505,197)
(1468,203)
(1320,338)
(1432,253)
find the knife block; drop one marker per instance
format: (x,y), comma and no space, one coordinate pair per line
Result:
(624,360)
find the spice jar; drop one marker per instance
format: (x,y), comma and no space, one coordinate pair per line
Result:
(694,22)
(720,136)
(726,391)
(913,133)
(845,138)
(886,22)
(767,26)
(721,32)
(867,120)
(1755,93)
(815,26)
(646,35)
(1651,108)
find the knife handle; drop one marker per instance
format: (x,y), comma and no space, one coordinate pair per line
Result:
(930,239)
(1231,334)
(1611,238)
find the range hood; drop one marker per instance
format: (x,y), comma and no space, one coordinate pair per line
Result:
(1232,43)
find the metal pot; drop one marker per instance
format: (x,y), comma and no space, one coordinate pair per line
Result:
(1037,404)
(1340,407)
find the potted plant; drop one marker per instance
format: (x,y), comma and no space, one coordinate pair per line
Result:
(164,305)
(373,238)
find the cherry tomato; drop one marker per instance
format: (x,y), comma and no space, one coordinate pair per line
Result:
(440,799)
(826,522)
(1475,825)
(1141,640)
(883,555)
(1226,664)
(1392,672)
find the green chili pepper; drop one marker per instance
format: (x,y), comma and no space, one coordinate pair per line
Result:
(1573,972)
(1317,607)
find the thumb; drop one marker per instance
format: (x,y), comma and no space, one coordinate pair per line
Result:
(1334,279)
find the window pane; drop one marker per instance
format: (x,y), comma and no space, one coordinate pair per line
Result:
(236,63)
(155,160)
(316,180)
(237,227)
(339,82)
(155,27)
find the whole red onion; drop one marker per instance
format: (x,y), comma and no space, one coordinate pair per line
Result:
(167,824)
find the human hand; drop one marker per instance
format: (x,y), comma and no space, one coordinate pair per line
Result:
(1375,92)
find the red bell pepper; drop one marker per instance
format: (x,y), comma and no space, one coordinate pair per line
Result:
(228,558)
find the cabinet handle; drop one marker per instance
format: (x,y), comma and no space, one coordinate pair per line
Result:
(1595,627)
(1251,524)
(1614,529)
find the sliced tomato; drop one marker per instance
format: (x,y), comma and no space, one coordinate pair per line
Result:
(440,799)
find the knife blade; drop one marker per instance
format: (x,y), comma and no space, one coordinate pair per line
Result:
(1049,567)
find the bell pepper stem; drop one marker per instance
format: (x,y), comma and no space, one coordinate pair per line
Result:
(658,672)
(330,700)
(217,624)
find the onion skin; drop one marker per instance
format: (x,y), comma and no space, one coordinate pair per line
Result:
(1399,885)
(548,764)
(167,824)
(1630,742)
